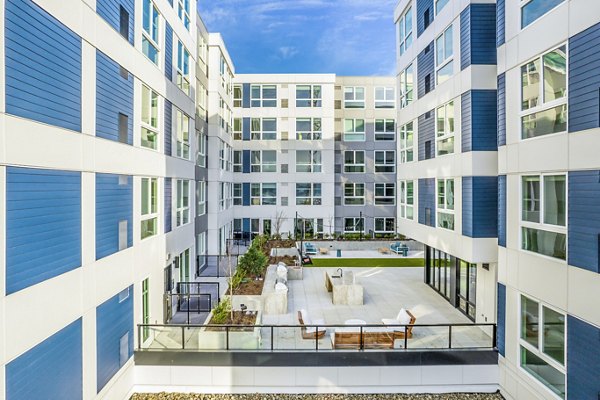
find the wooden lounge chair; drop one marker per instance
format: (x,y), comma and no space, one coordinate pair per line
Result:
(310,332)
(401,320)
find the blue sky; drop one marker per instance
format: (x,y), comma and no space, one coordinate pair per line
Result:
(346,37)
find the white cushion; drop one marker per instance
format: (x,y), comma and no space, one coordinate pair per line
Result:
(403,317)
(390,321)
(305,318)
(280,287)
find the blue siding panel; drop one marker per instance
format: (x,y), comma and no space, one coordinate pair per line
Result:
(114,95)
(426,133)
(467,206)
(425,67)
(466,121)
(465,38)
(43,225)
(427,201)
(52,369)
(502,210)
(114,320)
(501,124)
(483,34)
(246,198)
(501,322)
(246,128)
(114,203)
(480,206)
(584,80)
(168,126)
(584,219)
(246,97)
(246,161)
(422,7)
(500,22)
(484,120)
(246,225)
(43,67)
(168,204)
(109,10)
(583,359)
(168,52)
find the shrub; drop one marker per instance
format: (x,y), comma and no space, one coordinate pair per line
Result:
(221,311)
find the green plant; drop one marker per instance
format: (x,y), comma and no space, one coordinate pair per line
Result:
(254,261)
(221,311)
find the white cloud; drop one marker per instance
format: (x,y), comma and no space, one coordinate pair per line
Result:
(287,52)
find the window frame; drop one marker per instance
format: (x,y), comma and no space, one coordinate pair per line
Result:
(524,3)
(182,67)
(154,30)
(312,166)
(201,139)
(354,131)
(260,200)
(355,167)
(384,136)
(182,210)
(262,134)
(384,168)
(313,101)
(182,135)
(406,95)
(147,126)
(262,101)
(358,222)
(238,102)
(403,199)
(448,60)
(405,149)
(352,90)
(152,199)
(312,199)
(379,200)
(201,198)
(313,134)
(386,90)
(445,208)
(238,194)
(448,133)
(437,9)
(183,11)
(385,224)
(355,196)
(405,37)
(262,166)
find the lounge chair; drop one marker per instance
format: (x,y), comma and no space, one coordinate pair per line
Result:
(399,248)
(310,249)
(310,332)
(404,317)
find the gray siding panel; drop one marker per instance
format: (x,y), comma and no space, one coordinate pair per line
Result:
(109,10)
(501,100)
(584,219)
(427,201)
(425,67)
(423,7)
(426,133)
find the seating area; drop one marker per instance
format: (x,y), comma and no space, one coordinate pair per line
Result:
(310,332)
(310,249)
(399,248)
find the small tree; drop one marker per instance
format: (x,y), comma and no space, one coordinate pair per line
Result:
(279,218)
(255,261)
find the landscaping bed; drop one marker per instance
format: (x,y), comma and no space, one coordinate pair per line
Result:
(365,262)
(239,318)
(323,396)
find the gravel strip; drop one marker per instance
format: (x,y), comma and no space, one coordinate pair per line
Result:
(262,396)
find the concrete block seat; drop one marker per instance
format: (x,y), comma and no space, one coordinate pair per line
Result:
(310,332)
(404,317)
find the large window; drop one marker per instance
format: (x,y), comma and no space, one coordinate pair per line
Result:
(544,94)
(354,161)
(183,68)
(200,198)
(308,194)
(385,129)
(385,161)
(263,129)
(308,129)
(385,225)
(263,194)
(308,161)
(443,56)
(354,194)
(237,196)
(444,129)
(385,194)
(201,140)
(149,218)
(385,97)
(149,118)
(263,161)
(183,202)
(238,95)
(237,161)
(263,96)
(354,130)
(354,97)
(439,5)
(542,344)
(308,96)
(531,10)
(237,129)
(183,11)
(544,215)
(405,31)
(445,203)
(406,143)
(150,32)
(406,199)
(354,225)
(407,79)
(183,135)
(309,228)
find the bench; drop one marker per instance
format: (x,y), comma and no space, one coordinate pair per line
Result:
(372,338)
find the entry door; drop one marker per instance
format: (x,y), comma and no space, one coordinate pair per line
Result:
(466,288)
(267,227)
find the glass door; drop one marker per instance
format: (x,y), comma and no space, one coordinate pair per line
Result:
(145,310)
(467,288)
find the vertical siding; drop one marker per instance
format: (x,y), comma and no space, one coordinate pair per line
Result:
(426,132)
(483,34)
(466,122)
(425,66)
(114,95)
(43,67)
(501,322)
(422,6)
(501,100)
(114,319)
(480,206)
(109,10)
(500,21)
(426,200)
(502,210)
(246,128)
(168,204)
(246,161)
(43,225)
(246,225)
(484,120)
(168,126)
(467,206)
(114,203)
(50,370)
(246,197)
(465,38)
(583,359)
(584,80)
(246,95)
(584,219)
(168,51)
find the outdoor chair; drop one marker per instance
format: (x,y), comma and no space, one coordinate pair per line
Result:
(404,317)
(399,248)
(310,332)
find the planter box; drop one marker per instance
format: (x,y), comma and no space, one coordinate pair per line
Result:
(217,340)
(253,302)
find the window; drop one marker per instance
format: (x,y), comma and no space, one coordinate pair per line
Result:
(542,344)
(385,225)
(183,68)
(406,143)
(354,97)
(145,311)
(406,199)
(439,5)
(238,95)
(443,56)
(308,128)
(354,161)
(385,194)
(149,219)
(308,194)
(445,203)
(263,194)
(354,224)
(237,129)
(123,22)
(385,129)
(533,9)
(237,194)
(237,161)
(263,96)
(544,106)
(200,198)
(183,11)
(203,51)
(263,161)
(183,135)
(149,118)
(225,156)
(183,202)
(445,129)
(385,97)
(123,128)
(201,152)
(406,86)
(308,161)
(544,215)
(405,31)
(385,161)
(150,31)
(308,228)
(354,130)
(201,101)
(263,129)
(308,96)
(354,194)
